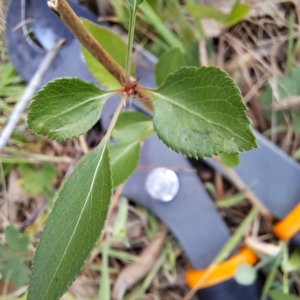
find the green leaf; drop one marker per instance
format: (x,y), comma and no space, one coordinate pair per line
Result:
(230,160)
(66,108)
(37,181)
(277,295)
(8,75)
(132,126)
(205,12)
(74,226)
(14,271)
(238,12)
(296,120)
(3,250)
(112,44)
(199,112)
(168,63)
(120,11)
(231,201)
(287,86)
(120,227)
(16,241)
(134,4)
(12,267)
(124,160)
(266,102)
(245,274)
(293,263)
(176,15)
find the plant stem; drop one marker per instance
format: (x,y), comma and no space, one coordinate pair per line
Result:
(285,277)
(132,18)
(114,120)
(63,10)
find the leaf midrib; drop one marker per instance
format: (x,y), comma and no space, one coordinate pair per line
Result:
(196,114)
(79,218)
(80,104)
(129,147)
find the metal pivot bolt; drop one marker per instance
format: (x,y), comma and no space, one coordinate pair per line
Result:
(162,184)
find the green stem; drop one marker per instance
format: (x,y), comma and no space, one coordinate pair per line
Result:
(114,120)
(64,11)
(285,278)
(132,18)
(290,57)
(104,291)
(270,277)
(75,25)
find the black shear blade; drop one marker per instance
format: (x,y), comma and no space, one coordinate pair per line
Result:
(191,215)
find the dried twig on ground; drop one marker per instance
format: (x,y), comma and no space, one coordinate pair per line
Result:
(292,102)
(28,94)
(131,274)
(16,199)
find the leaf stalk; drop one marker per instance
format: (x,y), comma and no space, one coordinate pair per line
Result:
(114,120)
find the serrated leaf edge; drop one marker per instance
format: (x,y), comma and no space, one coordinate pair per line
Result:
(34,100)
(56,197)
(154,91)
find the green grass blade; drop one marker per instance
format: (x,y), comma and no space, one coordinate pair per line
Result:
(155,21)
(271,276)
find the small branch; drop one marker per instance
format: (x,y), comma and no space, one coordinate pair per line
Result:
(28,94)
(289,103)
(63,10)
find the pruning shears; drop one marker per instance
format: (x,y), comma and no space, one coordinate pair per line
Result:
(165,183)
